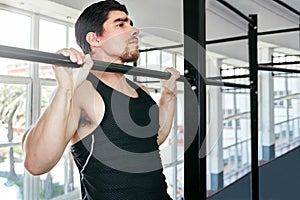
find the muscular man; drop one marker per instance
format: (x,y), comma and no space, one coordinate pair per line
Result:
(113,125)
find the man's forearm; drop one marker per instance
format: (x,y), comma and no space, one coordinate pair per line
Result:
(46,141)
(166,114)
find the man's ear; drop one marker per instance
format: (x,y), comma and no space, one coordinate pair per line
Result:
(93,39)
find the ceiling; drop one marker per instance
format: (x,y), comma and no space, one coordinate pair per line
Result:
(161,23)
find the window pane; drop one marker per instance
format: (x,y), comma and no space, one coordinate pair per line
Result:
(180,181)
(18,26)
(61,180)
(153,60)
(12,125)
(17,29)
(46,93)
(14,67)
(12,111)
(169,179)
(72,40)
(180,63)
(167,60)
(53,36)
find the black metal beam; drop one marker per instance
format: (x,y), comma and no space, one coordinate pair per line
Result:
(226,84)
(228,77)
(263,67)
(286,30)
(235,10)
(253,68)
(229,39)
(161,48)
(194,12)
(290,8)
(57,59)
(276,69)
(285,75)
(279,63)
(244,37)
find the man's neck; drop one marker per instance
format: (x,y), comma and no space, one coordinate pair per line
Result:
(100,56)
(111,78)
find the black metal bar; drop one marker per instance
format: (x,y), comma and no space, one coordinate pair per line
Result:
(276,69)
(226,84)
(194,65)
(287,7)
(228,77)
(201,94)
(280,63)
(57,59)
(230,39)
(161,48)
(285,75)
(249,20)
(234,92)
(244,37)
(287,30)
(253,63)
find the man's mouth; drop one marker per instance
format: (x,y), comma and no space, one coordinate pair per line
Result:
(134,41)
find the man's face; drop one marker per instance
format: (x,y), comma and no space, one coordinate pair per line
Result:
(119,37)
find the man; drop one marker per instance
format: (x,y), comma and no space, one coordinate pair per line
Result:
(112,124)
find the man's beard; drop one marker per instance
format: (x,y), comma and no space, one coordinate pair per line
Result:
(129,56)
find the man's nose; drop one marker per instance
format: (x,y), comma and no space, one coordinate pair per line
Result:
(135,31)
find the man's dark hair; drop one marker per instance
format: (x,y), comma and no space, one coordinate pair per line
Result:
(92,20)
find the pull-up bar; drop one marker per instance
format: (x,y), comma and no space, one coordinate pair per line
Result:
(60,60)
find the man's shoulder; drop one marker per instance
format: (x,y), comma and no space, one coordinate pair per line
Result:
(89,100)
(84,90)
(85,95)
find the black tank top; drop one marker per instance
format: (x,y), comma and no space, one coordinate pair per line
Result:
(120,159)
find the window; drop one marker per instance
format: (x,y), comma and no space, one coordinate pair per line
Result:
(17,31)
(8,37)
(17,94)
(13,107)
(52,37)
(278,94)
(14,101)
(71,39)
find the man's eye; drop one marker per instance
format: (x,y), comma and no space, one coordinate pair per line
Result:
(120,25)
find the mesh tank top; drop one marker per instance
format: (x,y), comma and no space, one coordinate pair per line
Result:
(120,159)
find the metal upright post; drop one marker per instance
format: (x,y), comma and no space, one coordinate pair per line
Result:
(253,65)
(194,65)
